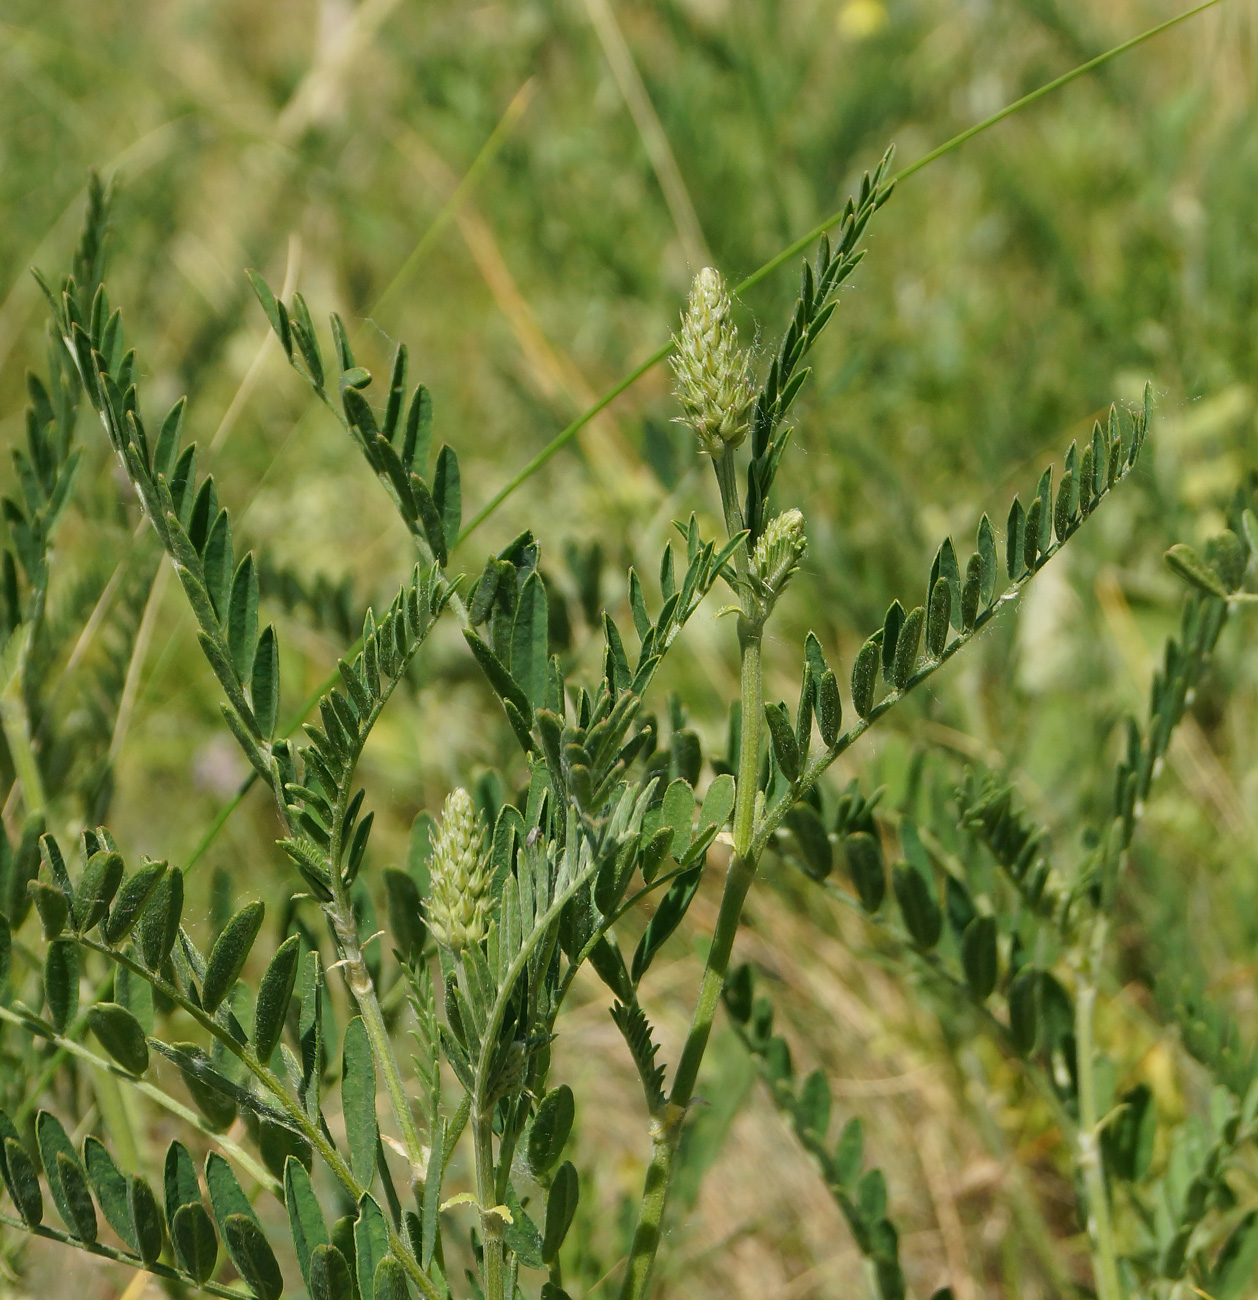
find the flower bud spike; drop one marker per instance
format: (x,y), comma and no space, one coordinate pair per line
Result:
(712,373)
(776,556)
(458,906)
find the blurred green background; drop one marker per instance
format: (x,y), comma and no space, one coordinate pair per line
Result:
(522,191)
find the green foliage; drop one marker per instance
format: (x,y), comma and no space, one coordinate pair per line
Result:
(597,819)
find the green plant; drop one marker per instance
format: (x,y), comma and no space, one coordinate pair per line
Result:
(505,900)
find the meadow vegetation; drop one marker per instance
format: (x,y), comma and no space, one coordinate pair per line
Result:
(965,1002)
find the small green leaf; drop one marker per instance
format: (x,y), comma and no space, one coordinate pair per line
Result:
(971,592)
(253,1257)
(987,554)
(167,450)
(812,1111)
(978,956)
(551,1126)
(61,982)
(678,811)
(718,803)
(179,1180)
(891,625)
(274,310)
(146,1220)
(865,866)
(922,915)
(274,994)
(227,958)
(561,1206)
(330,1277)
(23,1183)
(415,450)
(159,922)
(195,1242)
(227,1197)
(218,560)
(937,618)
(371,1243)
(906,649)
(529,646)
(813,840)
(6,957)
(1022,1010)
(343,1240)
(1184,561)
(304,1216)
(121,1035)
(500,679)
(1013,538)
(782,738)
(829,709)
(1031,534)
(864,676)
(78,1197)
(109,1184)
(390,1281)
(849,1153)
(135,893)
(53,1141)
(51,904)
(242,618)
(358,1100)
(447,495)
(264,683)
(668,915)
(97,887)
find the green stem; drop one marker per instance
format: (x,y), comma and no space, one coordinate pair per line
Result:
(490,1220)
(666,1127)
(1088,1143)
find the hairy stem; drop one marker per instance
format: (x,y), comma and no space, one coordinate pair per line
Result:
(1088,1143)
(490,1220)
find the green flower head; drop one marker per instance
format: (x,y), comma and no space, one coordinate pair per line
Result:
(459,904)
(713,374)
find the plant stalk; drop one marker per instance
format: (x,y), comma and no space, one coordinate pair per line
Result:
(666,1126)
(490,1220)
(1100,1226)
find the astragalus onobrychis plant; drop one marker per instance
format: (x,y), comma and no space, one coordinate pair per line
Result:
(435,1040)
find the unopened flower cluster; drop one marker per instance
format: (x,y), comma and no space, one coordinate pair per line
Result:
(713,373)
(777,555)
(458,906)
